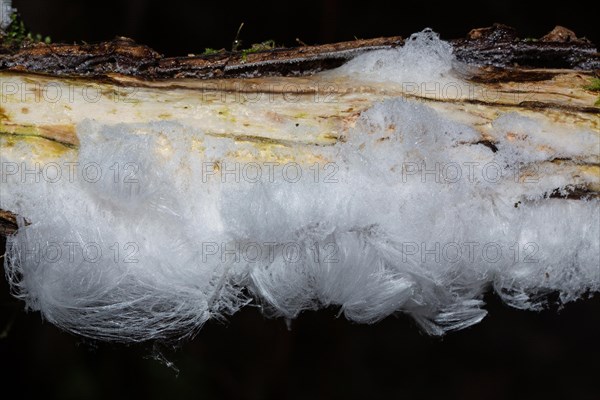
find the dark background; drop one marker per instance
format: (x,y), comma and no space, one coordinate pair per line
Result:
(179,27)
(511,354)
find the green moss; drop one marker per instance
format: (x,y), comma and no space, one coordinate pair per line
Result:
(594,85)
(208,51)
(17,34)
(263,46)
(257,47)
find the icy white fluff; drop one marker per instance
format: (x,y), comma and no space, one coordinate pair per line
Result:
(166,244)
(423,58)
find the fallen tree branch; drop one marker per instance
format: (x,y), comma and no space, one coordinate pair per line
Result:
(497,46)
(387,120)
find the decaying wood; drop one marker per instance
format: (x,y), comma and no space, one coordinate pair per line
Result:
(496,46)
(124,56)
(8,223)
(246,96)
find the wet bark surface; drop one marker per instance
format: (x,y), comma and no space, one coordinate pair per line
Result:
(497,46)
(8,223)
